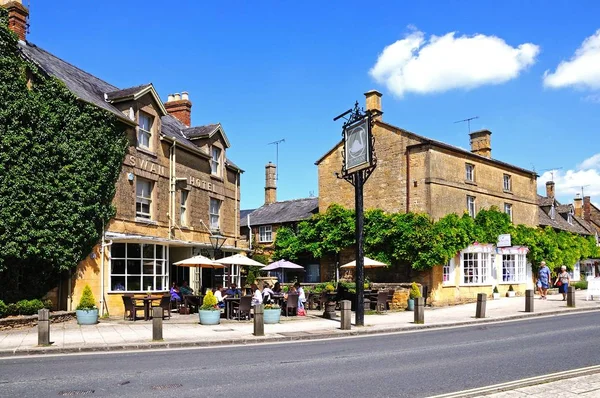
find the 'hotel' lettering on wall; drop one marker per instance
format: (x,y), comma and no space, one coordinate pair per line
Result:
(154,168)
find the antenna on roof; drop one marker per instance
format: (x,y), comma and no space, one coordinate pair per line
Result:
(583,186)
(468,120)
(276,143)
(552,170)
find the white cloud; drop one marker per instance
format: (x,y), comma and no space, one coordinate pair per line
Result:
(568,183)
(442,63)
(581,70)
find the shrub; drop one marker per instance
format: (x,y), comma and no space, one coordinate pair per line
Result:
(495,289)
(581,285)
(510,289)
(3,309)
(209,303)
(48,304)
(87,301)
(415,292)
(272,307)
(329,287)
(11,309)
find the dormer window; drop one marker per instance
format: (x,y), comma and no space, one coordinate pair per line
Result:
(552,212)
(144,130)
(216,161)
(570,217)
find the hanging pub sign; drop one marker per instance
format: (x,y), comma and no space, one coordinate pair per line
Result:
(357,145)
(504,240)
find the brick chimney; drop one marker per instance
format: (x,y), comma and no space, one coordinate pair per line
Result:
(587,209)
(578,204)
(180,107)
(481,143)
(17,17)
(550,189)
(270,184)
(373,101)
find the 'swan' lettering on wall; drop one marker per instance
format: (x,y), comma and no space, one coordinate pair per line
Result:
(154,168)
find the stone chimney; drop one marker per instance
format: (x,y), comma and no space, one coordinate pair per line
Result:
(481,143)
(373,101)
(550,189)
(270,184)
(180,107)
(578,204)
(17,17)
(587,209)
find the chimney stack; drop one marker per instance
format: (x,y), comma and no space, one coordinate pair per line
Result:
(17,17)
(481,143)
(180,106)
(577,203)
(270,184)
(550,189)
(587,209)
(373,101)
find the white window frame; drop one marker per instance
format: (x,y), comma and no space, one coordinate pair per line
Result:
(507,182)
(508,210)
(183,207)
(470,172)
(143,198)
(514,268)
(153,268)
(144,133)
(215,162)
(448,273)
(475,268)
(265,234)
(471,207)
(214,212)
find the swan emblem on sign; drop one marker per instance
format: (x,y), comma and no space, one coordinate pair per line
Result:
(358,145)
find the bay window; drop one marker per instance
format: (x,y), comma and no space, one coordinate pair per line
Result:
(475,268)
(513,268)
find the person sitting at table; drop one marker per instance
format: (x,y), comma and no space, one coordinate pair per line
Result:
(301,295)
(185,289)
(232,291)
(277,288)
(218,292)
(267,293)
(257,297)
(175,294)
(292,290)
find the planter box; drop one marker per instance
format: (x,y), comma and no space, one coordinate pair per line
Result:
(272,316)
(209,317)
(496,296)
(85,317)
(510,294)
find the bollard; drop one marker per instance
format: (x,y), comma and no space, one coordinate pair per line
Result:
(419,310)
(571,296)
(481,302)
(529,300)
(346,306)
(259,320)
(157,323)
(43,327)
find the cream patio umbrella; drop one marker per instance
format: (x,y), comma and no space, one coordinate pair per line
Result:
(369,263)
(199,261)
(238,259)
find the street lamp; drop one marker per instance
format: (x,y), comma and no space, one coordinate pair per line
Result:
(216,241)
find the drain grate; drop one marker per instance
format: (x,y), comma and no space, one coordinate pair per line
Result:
(167,386)
(69,393)
(222,330)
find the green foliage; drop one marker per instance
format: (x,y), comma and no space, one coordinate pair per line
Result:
(581,285)
(329,288)
(210,302)
(272,307)
(415,292)
(59,161)
(510,288)
(3,309)
(87,301)
(29,307)
(495,289)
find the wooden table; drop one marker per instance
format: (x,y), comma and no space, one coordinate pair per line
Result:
(229,305)
(148,300)
(190,300)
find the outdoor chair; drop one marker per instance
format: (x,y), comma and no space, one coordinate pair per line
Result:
(131,308)
(244,307)
(382,300)
(165,304)
(193,303)
(292,303)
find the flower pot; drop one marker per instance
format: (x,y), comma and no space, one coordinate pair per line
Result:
(510,294)
(411,305)
(87,317)
(496,296)
(272,316)
(209,317)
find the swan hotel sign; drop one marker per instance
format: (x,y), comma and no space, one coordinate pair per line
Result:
(357,145)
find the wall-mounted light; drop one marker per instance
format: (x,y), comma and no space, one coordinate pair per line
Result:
(130,176)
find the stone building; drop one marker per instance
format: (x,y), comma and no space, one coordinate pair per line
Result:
(176,189)
(419,174)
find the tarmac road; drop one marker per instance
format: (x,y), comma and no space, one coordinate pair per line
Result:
(416,364)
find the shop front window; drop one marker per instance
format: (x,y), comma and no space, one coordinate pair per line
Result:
(138,267)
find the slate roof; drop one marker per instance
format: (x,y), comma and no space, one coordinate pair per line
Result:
(200,131)
(244,216)
(283,212)
(560,222)
(127,92)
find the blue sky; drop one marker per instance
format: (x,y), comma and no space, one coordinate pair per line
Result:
(282,70)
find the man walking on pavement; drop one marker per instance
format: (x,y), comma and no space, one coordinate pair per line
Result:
(544,279)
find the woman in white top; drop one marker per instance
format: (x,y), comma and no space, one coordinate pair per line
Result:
(257,297)
(267,293)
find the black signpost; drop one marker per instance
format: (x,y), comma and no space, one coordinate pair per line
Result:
(359,161)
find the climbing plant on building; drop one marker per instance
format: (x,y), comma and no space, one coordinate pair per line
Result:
(59,161)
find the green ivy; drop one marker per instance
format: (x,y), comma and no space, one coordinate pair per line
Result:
(59,162)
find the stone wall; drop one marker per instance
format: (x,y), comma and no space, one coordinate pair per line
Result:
(31,320)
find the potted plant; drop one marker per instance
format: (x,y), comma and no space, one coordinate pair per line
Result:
(330,303)
(414,293)
(511,291)
(495,293)
(209,313)
(86,311)
(272,313)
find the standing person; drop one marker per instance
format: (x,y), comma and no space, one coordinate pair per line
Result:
(544,279)
(564,278)
(301,295)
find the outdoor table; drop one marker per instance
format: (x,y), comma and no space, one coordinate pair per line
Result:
(277,298)
(229,305)
(190,300)
(148,300)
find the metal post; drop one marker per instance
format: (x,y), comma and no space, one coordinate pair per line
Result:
(419,310)
(157,323)
(481,302)
(571,296)
(43,327)
(360,261)
(529,300)
(346,306)
(259,320)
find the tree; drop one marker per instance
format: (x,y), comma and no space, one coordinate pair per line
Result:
(59,162)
